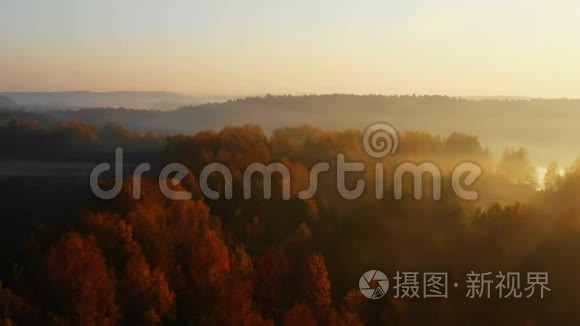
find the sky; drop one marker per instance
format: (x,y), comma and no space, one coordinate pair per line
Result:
(219,47)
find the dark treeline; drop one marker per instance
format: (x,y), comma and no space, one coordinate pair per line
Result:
(70,141)
(263,262)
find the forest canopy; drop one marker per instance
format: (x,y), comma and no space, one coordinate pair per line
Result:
(257,261)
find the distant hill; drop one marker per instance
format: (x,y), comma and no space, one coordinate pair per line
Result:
(6,102)
(548,128)
(499,97)
(42,101)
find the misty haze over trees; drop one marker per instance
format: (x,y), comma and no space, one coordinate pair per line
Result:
(546,128)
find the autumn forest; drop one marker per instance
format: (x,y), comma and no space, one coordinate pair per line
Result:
(69,258)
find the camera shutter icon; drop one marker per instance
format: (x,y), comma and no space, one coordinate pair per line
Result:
(366,284)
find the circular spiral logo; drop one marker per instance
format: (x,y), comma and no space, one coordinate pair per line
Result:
(380,140)
(370,290)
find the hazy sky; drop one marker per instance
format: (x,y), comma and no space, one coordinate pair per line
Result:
(492,47)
